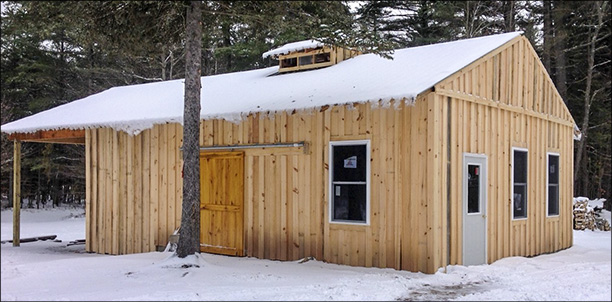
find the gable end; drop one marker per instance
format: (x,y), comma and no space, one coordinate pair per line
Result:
(510,77)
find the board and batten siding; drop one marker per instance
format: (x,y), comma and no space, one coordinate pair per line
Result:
(135,195)
(286,206)
(504,100)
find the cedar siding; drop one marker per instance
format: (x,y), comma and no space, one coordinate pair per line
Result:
(505,100)
(286,202)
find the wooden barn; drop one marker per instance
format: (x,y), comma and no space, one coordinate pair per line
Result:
(452,153)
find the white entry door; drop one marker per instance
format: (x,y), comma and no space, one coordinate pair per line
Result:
(474,209)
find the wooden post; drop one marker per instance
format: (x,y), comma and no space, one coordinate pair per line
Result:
(16,191)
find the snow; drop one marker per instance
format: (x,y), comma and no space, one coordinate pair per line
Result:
(47,270)
(233,96)
(577,133)
(295,46)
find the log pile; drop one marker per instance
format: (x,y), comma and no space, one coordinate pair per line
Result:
(76,242)
(586,217)
(32,239)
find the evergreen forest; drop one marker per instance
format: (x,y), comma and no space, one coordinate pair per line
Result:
(55,52)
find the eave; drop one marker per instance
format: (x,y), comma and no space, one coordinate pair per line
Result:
(63,136)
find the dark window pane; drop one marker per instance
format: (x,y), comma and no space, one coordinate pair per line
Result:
(307,60)
(349,202)
(520,166)
(290,62)
(553,200)
(322,57)
(520,201)
(553,169)
(349,163)
(473,188)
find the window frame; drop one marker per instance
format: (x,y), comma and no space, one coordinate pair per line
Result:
(548,154)
(302,59)
(289,62)
(327,51)
(467,184)
(331,180)
(514,149)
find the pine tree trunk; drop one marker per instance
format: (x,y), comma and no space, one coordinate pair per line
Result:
(547,36)
(509,15)
(227,43)
(588,98)
(189,239)
(559,13)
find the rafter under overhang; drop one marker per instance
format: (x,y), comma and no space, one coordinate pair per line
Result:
(64,136)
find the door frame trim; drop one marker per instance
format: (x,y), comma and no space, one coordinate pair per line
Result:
(484,185)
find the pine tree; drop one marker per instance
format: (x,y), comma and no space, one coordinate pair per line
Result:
(593,78)
(189,239)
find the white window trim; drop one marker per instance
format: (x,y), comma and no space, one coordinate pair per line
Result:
(330,199)
(512,183)
(558,185)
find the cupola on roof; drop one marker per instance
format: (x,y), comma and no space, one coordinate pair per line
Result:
(308,54)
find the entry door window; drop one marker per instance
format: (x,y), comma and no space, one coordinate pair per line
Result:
(349,181)
(473,187)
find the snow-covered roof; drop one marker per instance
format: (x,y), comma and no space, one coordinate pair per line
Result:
(295,46)
(233,96)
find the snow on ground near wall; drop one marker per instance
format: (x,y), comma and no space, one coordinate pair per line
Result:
(47,270)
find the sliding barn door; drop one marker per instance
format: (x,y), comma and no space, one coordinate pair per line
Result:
(221,203)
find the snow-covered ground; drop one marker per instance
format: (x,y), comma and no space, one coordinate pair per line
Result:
(48,270)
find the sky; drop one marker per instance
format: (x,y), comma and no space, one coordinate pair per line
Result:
(54,270)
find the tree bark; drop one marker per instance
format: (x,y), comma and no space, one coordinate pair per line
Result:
(559,12)
(547,35)
(189,239)
(227,43)
(509,16)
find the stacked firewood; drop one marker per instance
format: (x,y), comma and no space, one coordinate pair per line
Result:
(583,218)
(586,217)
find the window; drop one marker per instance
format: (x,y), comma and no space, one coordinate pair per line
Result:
(519,183)
(553,185)
(306,60)
(473,187)
(322,58)
(289,62)
(349,175)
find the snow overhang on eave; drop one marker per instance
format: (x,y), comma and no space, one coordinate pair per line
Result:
(291,47)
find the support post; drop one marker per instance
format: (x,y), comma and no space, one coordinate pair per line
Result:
(16,191)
